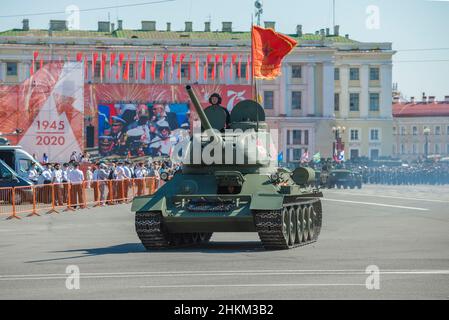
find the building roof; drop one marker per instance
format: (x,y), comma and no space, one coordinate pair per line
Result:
(420,109)
(163,35)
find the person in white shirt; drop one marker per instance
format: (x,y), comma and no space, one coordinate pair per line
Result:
(120,177)
(45,179)
(140,173)
(128,176)
(65,181)
(57,178)
(76,179)
(33,174)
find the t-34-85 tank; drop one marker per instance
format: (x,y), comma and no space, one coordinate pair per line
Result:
(230,182)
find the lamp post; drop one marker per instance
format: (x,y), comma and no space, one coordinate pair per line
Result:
(426,146)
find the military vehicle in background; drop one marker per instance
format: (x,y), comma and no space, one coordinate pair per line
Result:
(252,195)
(342,178)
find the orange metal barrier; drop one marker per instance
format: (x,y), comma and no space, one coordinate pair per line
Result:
(57,197)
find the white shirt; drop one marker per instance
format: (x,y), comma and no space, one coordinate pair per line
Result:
(120,172)
(47,175)
(140,172)
(76,176)
(127,172)
(57,176)
(32,174)
(95,175)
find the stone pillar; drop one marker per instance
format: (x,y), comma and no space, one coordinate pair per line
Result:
(364,91)
(2,71)
(283,92)
(328,89)
(386,71)
(344,91)
(310,89)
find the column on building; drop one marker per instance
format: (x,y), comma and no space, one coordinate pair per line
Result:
(23,69)
(283,92)
(364,89)
(328,89)
(310,89)
(2,71)
(344,91)
(386,90)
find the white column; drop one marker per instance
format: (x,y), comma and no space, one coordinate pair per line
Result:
(344,91)
(310,89)
(364,87)
(328,89)
(2,71)
(386,90)
(283,86)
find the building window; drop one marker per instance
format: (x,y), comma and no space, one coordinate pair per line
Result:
(306,137)
(437,130)
(374,74)
(297,136)
(354,135)
(158,70)
(296,72)
(414,148)
(402,131)
(402,148)
(394,149)
(354,74)
(447,130)
(296,154)
(354,102)
(296,100)
(242,71)
(374,102)
(268,99)
(415,131)
(336,74)
(184,70)
(437,148)
(11,68)
(374,135)
(97,70)
(288,137)
(354,153)
(336,102)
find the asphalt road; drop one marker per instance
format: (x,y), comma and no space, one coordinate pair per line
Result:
(401,230)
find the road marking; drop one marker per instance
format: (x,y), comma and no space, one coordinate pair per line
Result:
(218,273)
(255,285)
(390,197)
(376,204)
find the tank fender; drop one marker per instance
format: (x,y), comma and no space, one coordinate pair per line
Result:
(149,203)
(266,201)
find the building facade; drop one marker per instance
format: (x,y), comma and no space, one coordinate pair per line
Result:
(421,129)
(328,81)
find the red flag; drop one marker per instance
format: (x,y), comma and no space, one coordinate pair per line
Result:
(136,71)
(216,61)
(222,71)
(111,64)
(102,65)
(153,68)
(268,49)
(143,74)
(181,59)
(233,60)
(32,68)
(121,57)
(41,65)
(162,74)
(79,57)
(126,73)
(174,57)
(239,67)
(94,63)
(197,68)
(86,67)
(35,55)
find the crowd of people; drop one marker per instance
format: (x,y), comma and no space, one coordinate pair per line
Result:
(110,181)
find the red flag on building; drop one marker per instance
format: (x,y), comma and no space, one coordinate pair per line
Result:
(111,64)
(86,67)
(79,57)
(216,61)
(197,68)
(189,75)
(41,65)
(35,55)
(248,64)
(126,73)
(136,71)
(162,73)
(143,74)
(222,71)
(104,57)
(206,66)
(174,57)
(94,63)
(153,68)
(269,48)
(121,57)
(239,67)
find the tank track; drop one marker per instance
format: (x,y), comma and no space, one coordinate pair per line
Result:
(151,233)
(276,236)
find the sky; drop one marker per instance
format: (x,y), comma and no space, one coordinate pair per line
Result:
(418,29)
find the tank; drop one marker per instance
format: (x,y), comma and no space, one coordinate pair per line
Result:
(241,190)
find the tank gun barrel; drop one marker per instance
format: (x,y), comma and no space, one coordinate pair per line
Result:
(204,121)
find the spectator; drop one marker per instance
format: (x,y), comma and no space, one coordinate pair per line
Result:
(76,178)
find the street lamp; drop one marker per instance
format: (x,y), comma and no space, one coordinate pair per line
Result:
(426,147)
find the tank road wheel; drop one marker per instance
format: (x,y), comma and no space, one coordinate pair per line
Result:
(286,224)
(205,237)
(150,230)
(299,225)
(311,223)
(305,230)
(293,226)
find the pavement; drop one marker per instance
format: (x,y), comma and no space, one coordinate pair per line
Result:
(380,242)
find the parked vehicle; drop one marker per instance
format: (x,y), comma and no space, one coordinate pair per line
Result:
(342,178)
(10,179)
(19,160)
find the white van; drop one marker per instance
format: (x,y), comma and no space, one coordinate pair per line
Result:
(19,160)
